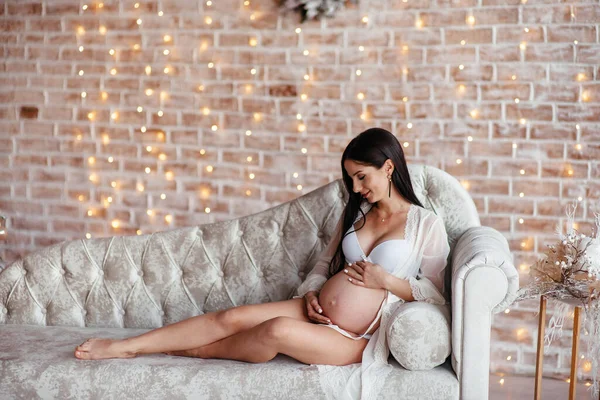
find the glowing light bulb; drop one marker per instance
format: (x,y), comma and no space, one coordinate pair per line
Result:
(471,20)
(248,133)
(102,30)
(139,21)
(253,42)
(149,92)
(365,19)
(167,38)
(140,109)
(208,20)
(113,71)
(207,210)
(81,72)
(306,52)
(419,23)
(298,30)
(361,48)
(80,49)
(83,95)
(358,72)
(304,150)
(214,128)
(251,176)
(360,96)
(166,52)
(111,52)
(303,96)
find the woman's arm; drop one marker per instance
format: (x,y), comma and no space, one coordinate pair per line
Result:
(399,287)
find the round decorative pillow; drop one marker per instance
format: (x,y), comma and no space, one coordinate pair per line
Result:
(419,335)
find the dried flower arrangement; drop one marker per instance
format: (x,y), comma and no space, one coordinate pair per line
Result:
(312,9)
(569,271)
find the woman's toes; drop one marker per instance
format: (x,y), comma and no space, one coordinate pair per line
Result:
(82,355)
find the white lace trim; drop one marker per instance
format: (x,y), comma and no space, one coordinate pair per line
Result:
(416,289)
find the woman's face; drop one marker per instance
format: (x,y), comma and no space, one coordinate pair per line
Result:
(370,182)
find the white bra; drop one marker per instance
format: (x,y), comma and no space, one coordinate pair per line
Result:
(387,253)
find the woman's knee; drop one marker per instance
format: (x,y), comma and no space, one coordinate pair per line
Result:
(277,329)
(230,319)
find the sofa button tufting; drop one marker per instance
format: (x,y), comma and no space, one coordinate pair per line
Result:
(280,234)
(340,195)
(101,272)
(320,234)
(44,311)
(2,310)
(180,272)
(24,271)
(162,313)
(122,312)
(84,312)
(62,271)
(220,274)
(141,273)
(240,233)
(425,192)
(260,274)
(301,274)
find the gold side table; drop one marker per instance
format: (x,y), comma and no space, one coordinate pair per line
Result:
(540,351)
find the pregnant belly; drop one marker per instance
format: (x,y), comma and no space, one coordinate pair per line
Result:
(350,307)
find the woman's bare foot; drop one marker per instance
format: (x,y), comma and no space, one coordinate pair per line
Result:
(197,353)
(98,349)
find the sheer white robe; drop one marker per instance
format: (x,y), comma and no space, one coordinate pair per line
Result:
(424,270)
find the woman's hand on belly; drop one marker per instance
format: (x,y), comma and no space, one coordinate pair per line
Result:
(368,275)
(351,307)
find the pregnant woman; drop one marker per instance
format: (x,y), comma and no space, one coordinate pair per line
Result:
(386,249)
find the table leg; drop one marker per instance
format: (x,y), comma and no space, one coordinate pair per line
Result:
(574,353)
(540,349)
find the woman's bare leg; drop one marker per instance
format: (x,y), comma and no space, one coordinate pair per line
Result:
(193,332)
(306,342)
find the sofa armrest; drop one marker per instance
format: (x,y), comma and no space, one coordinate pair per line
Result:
(484,282)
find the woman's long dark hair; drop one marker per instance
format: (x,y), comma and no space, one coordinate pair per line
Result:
(371,147)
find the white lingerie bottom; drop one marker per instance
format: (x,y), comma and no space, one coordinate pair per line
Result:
(348,334)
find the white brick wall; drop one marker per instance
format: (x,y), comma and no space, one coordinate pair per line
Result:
(507,101)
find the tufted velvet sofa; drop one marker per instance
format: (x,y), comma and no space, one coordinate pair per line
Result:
(54,298)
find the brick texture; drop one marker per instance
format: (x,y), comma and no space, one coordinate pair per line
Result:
(125,117)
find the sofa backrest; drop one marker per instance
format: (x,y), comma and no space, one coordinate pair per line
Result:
(148,281)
